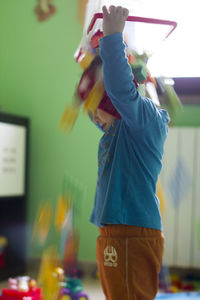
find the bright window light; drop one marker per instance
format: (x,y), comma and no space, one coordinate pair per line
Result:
(178,56)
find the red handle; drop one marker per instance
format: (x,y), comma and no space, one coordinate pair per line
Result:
(136,19)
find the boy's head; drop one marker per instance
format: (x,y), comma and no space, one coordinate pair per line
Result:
(103,118)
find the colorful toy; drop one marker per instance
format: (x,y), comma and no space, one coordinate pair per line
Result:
(62,209)
(73,290)
(48,277)
(61,260)
(174,283)
(171,100)
(42,223)
(81,10)
(90,92)
(21,288)
(70,114)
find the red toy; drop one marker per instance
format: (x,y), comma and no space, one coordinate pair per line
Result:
(21,288)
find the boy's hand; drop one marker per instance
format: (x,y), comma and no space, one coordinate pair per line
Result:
(114,19)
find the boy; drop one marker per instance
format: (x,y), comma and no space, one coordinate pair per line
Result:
(126,209)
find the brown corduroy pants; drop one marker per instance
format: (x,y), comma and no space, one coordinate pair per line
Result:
(129,260)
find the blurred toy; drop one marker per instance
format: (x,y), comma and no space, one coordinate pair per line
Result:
(73,290)
(81,10)
(164,279)
(42,223)
(71,253)
(48,277)
(171,100)
(70,114)
(72,193)
(21,288)
(178,284)
(3,244)
(94,42)
(60,261)
(174,283)
(90,92)
(188,287)
(62,209)
(72,287)
(44,10)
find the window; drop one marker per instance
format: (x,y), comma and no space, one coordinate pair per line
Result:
(178,56)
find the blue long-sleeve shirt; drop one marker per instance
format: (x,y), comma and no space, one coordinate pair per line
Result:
(131,150)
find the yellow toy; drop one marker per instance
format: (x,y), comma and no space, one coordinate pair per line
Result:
(42,223)
(47,277)
(69,117)
(63,207)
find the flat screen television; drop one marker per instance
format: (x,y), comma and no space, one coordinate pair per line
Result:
(14,132)
(13,155)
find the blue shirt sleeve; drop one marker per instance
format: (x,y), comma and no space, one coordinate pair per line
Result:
(135,110)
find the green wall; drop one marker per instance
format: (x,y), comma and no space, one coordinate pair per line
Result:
(37,77)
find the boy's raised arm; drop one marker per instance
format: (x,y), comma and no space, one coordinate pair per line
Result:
(118,76)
